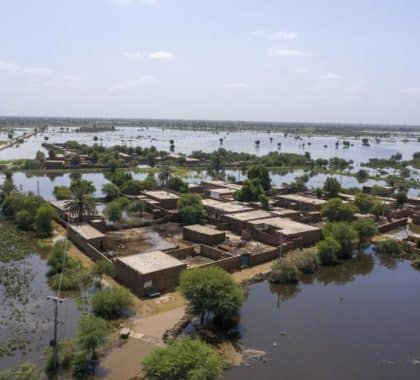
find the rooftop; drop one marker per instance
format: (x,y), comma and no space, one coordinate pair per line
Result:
(60,205)
(251,215)
(151,262)
(205,230)
(87,231)
(285,225)
(226,207)
(302,198)
(160,194)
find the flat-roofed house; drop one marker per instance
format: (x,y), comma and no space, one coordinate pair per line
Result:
(300,202)
(149,273)
(216,209)
(237,222)
(203,234)
(285,229)
(165,199)
(84,233)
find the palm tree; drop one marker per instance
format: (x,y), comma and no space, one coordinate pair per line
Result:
(82,204)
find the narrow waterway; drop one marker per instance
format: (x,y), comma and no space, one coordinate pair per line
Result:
(358,320)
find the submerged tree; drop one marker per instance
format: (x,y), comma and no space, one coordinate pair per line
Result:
(82,203)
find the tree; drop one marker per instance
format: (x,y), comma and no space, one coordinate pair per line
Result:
(151,159)
(331,187)
(217,161)
(74,160)
(111,303)
(191,209)
(211,290)
(24,220)
(345,235)
(82,204)
(177,184)
(62,192)
(92,333)
(103,268)
(284,272)
(43,220)
(262,173)
(265,205)
(328,250)
(40,156)
(335,210)
(136,207)
(164,174)
(8,186)
(401,198)
(250,191)
(114,210)
(111,190)
(186,358)
(366,229)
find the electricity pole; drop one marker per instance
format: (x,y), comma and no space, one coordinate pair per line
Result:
(54,341)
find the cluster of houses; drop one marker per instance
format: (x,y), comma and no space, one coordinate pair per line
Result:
(237,235)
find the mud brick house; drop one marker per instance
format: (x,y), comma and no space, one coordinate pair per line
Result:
(164,199)
(84,234)
(203,234)
(277,230)
(149,273)
(237,222)
(216,209)
(299,202)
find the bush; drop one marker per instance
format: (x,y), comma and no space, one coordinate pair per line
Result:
(186,358)
(345,235)
(250,192)
(307,261)
(43,220)
(24,220)
(366,229)
(62,192)
(191,209)
(332,187)
(283,272)
(111,303)
(177,184)
(328,250)
(111,190)
(390,247)
(335,210)
(262,174)
(113,211)
(416,263)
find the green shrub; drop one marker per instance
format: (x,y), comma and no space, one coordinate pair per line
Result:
(306,261)
(186,358)
(416,263)
(62,192)
(43,220)
(328,250)
(283,272)
(24,220)
(390,247)
(191,209)
(336,210)
(111,303)
(345,235)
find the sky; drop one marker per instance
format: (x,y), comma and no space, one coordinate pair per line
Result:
(352,61)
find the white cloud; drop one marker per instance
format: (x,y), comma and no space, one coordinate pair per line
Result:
(410,91)
(145,2)
(132,54)
(8,66)
(301,70)
(41,71)
(162,55)
(332,76)
(357,85)
(283,36)
(274,52)
(127,85)
(237,85)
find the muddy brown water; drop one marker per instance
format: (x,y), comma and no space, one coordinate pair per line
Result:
(358,320)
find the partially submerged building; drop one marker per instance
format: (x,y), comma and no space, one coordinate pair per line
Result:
(299,202)
(150,273)
(164,199)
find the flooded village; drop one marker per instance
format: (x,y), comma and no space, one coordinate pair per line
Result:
(326,271)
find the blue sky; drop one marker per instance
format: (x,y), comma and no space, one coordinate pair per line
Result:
(302,60)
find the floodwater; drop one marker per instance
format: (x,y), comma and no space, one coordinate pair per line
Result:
(358,320)
(187,141)
(45,183)
(32,322)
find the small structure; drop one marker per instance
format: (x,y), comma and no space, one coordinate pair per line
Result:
(165,199)
(203,234)
(237,222)
(84,233)
(149,273)
(221,193)
(300,202)
(276,230)
(216,209)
